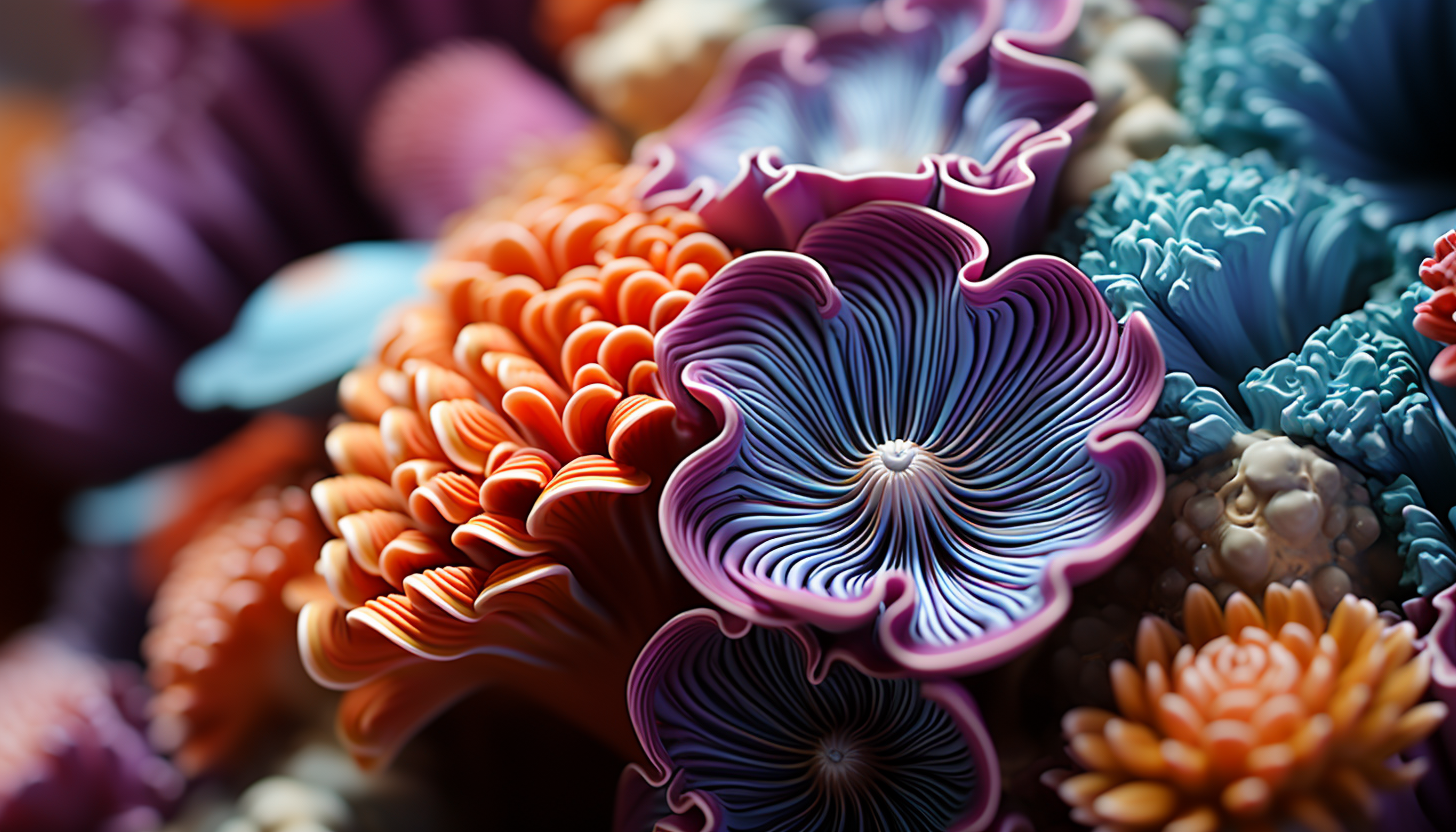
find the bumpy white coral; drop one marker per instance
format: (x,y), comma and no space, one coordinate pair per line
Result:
(1132,62)
(645,65)
(1268,510)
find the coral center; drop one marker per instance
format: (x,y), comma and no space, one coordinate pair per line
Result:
(897,454)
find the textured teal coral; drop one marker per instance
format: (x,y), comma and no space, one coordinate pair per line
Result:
(1233,260)
(1361,393)
(1347,87)
(1424,543)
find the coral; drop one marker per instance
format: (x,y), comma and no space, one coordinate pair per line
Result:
(1234,262)
(1434,315)
(495,517)
(1132,64)
(1269,716)
(1312,81)
(303,328)
(1267,510)
(746,730)
(1424,544)
(941,103)
(219,651)
(902,443)
(73,757)
(451,124)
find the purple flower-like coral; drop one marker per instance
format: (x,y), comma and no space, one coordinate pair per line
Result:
(744,730)
(946,103)
(895,430)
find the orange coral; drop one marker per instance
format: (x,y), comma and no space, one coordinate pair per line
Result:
(247,13)
(496,510)
(29,124)
(217,652)
(559,22)
(1260,717)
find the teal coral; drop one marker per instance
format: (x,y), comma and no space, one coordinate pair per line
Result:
(1424,543)
(1233,261)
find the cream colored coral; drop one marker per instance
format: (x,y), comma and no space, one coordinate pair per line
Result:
(1132,63)
(1268,510)
(646,64)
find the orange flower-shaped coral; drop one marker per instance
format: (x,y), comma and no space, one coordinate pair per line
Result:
(1261,717)
(496,509)
(218,651)
(1436,315)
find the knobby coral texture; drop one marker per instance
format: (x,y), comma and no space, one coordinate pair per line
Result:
(904,442)
(946,103)
(495,517)
(203,160)
(1338,86)
(1272,714)
(74,757)
(745,729)
(1233,260)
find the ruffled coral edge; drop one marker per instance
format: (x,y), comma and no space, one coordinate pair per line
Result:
(1113,443)
(689,626)
(770,204)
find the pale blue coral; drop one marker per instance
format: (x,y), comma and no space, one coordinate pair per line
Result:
(1233,260)
(1190,422)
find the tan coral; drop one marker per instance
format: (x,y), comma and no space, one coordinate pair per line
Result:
(495,511)
(1256,718)
(1270,510)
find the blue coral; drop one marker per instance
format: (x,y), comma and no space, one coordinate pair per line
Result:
(1424,543)
(1233,261)
(1351,88)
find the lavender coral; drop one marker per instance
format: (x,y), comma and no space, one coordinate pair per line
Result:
(943,103)
(895,430)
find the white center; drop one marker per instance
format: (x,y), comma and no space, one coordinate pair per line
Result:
(897,454)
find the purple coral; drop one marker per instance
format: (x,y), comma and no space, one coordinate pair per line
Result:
(947,103)
(744,730)
(897,431)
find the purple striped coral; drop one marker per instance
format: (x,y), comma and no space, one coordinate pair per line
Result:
(895,430)
(745,730)
(945,103)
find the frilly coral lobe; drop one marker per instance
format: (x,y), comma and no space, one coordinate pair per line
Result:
(945,103)
(1434,314)
(895,430)
(495,517)
(745,730)
(1233,261)
(1313,80)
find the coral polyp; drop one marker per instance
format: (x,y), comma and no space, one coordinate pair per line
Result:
(1272,715)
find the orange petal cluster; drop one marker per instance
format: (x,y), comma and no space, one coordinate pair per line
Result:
(495,513)
(1256,718)
(217,652)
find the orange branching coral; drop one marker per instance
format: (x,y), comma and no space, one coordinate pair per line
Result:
(495,516)
(1260,717)
(218,653)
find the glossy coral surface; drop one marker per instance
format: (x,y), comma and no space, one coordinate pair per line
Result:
(1434,315)
(895,429)
(927,101)
(495,519)
(746,731)
(1256,716)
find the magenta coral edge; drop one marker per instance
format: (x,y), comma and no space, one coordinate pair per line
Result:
(1113,442)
